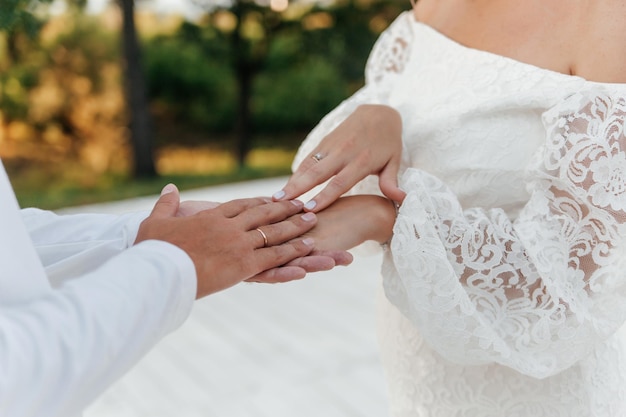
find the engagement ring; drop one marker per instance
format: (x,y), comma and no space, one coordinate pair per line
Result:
(317,157)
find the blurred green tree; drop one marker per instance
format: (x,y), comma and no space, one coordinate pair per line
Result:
(20,18)
(249,31)
(269,41)
(245,68)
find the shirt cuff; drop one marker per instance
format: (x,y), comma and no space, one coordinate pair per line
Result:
(131,227)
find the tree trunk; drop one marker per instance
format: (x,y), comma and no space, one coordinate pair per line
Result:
(137,103)
(12,40)
(245,73)
(243,129)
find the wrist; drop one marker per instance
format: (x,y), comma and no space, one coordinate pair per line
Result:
(384,217)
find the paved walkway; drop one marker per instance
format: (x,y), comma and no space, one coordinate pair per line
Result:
(302,349)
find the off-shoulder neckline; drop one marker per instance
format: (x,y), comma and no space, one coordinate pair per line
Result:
(514,61)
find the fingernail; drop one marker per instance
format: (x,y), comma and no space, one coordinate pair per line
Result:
(310,205)
(267,200)
(309,241)
(169,188)
(280,194)
(308,217)
(296,203)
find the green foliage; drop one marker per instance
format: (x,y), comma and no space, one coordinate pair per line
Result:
(72,80)
(14,87)
(297,98)
(194,85)
(302,75)
(20,14)
(84,34)
(47,189)
(81,50)
(189,86)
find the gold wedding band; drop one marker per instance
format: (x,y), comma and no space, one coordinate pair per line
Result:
(262,235)
(317,157)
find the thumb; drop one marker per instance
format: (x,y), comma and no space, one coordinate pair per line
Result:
(168,203)
(388,181)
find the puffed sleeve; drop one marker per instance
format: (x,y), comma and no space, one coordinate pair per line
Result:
(536,293)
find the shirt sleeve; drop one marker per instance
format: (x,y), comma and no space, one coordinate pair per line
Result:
(536,293)
(59,351)
(71,245)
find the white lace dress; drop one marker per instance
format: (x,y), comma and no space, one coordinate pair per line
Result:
(506,280)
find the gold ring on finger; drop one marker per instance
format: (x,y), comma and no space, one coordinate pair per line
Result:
(263,235)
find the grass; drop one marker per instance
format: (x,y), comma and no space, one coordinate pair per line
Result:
(115,187)
(51,187)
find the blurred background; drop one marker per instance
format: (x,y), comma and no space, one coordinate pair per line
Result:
(109,99)
(106,100)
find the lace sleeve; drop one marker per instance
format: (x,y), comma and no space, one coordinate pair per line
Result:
(538,293)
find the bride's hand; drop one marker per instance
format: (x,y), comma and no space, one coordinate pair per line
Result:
(368,142)
(352,220)
(315,261)
(346,223)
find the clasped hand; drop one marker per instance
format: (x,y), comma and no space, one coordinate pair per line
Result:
(225,247)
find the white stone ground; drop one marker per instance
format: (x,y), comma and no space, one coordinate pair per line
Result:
(302,349)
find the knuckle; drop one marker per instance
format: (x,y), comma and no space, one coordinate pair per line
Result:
(270,275)
(278,232)
(338,184)
(281,208)
(253,202)
(364,157)
(238,202)
(289,206)
(316,171)
(285,252)
(347,144)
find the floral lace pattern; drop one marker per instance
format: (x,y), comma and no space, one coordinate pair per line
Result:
(506,280)
(538,294)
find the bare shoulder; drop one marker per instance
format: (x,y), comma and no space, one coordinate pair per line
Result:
(602,34)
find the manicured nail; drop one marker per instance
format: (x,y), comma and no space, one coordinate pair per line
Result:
(169,188)
(309,241)
(308,217)
(310,205)
(280,194)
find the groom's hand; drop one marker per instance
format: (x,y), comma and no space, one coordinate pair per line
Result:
(316,261)
(223,242)
(191,207)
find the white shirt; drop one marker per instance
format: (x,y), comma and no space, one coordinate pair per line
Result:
(78,305)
